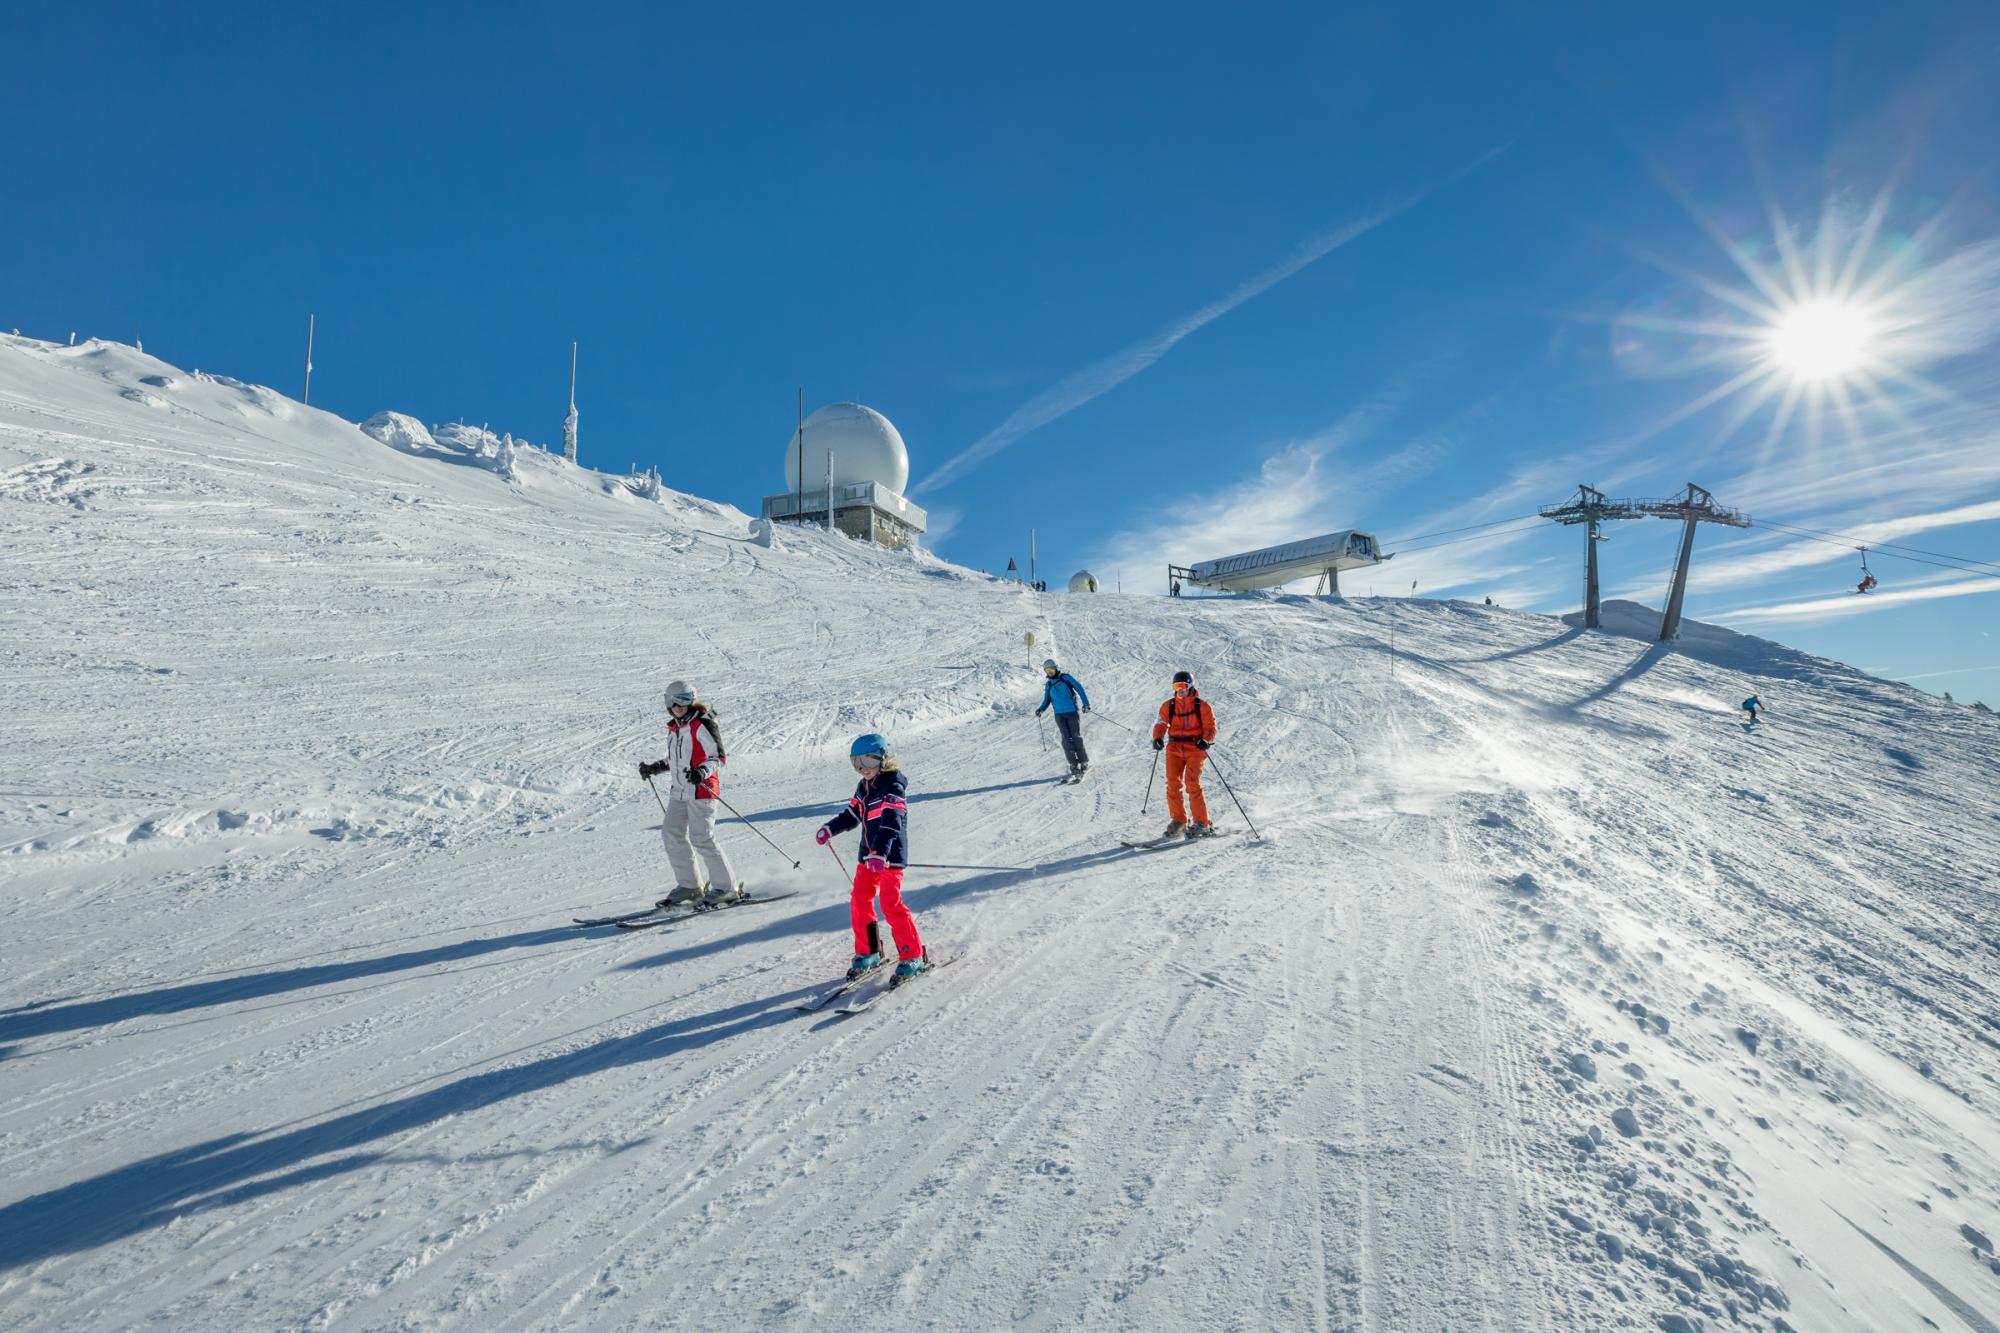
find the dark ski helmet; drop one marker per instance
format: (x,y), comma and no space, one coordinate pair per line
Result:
(1049,667)
(1183,678)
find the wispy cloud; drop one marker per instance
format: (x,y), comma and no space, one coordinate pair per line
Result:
(1289,491)
(1096,380)
(1852,604)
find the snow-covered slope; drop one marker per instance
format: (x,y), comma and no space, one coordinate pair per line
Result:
(1552,996)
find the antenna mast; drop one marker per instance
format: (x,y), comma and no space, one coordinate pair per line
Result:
(569,422)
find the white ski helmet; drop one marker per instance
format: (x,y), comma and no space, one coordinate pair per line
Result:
(680,692)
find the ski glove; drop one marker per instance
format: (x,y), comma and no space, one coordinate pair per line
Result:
(823,835)
(1201,745)
(876,863)
(647,770)
(1159,744)
(697,774)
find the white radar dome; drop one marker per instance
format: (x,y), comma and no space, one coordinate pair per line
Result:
(865,447)
(1083,581)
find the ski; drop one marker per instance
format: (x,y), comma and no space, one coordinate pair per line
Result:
(650,920)
(1177,840)
(653,916)
(614,920)
(861,1004)
(828,996)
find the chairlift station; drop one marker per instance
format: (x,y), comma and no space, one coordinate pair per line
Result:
(1274,566)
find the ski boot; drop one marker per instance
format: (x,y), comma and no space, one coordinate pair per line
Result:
(684,896)
(1174,829)
(911,967)
(864,963)
(719,897)
(1200,831)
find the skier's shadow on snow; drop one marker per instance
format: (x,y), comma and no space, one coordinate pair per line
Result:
(827,809)
(832,919)
(236,1168)
(42,1022)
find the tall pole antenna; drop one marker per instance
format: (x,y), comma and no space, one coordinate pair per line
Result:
(569,422)
(306,395)
(800,507)
(1031,558)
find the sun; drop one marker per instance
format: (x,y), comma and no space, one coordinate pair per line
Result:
(1821,339)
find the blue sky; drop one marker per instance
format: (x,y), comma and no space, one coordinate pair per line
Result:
(1163,282)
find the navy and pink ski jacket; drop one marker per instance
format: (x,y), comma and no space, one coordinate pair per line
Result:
(879,808)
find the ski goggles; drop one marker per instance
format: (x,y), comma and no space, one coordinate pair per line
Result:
(1182,686)
(1050,672)
(680,701)
(865,763)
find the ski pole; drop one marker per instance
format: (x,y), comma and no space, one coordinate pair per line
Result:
(1232,796)
(1042,729)
(926,865)
(753,828)
(656,796)
(1113,721)
(844,876)
(1149,783)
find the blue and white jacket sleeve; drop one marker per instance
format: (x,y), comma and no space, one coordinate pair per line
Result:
(882,812)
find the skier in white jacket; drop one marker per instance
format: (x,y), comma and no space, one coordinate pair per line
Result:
(694,756)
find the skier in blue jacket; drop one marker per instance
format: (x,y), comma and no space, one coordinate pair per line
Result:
(1065,693)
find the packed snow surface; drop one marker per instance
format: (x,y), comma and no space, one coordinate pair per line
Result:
(1550,994)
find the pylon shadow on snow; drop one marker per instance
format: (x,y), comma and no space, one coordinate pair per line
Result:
(1555,641)
(239,1167)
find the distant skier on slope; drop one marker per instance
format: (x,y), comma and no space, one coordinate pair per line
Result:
(1065,693)
(1751,705)
(694,753)
(879,808)
(1185,731)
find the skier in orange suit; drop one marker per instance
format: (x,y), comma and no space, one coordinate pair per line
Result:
(1185,731)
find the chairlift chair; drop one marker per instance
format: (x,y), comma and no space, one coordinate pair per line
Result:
(1868,579)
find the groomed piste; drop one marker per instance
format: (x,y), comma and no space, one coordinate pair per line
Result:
(1553,995)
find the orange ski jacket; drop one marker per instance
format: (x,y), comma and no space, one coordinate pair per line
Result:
(1185,721)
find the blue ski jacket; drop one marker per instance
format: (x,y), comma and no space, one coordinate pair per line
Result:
(1063,694)
(878,806)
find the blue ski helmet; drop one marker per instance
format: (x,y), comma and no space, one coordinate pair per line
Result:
(872,743)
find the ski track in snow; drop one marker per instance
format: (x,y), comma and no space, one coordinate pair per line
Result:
(1552,997)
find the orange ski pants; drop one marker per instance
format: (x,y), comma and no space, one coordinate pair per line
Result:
(1184,763)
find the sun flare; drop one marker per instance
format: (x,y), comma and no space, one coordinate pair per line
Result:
(1822,339)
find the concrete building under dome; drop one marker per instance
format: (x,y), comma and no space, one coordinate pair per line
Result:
(847,467)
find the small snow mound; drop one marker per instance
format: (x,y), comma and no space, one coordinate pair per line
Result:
(404,434)
(160,381)
(141,397)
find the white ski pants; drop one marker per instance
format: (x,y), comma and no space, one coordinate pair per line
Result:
(690,828)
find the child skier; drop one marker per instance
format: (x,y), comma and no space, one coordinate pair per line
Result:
(694,752)
(1185,731)
(878,807)
(1065,693)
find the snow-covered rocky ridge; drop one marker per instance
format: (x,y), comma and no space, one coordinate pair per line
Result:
(1552,997)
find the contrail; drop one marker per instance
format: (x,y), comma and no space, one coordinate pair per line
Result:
(1095,380)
